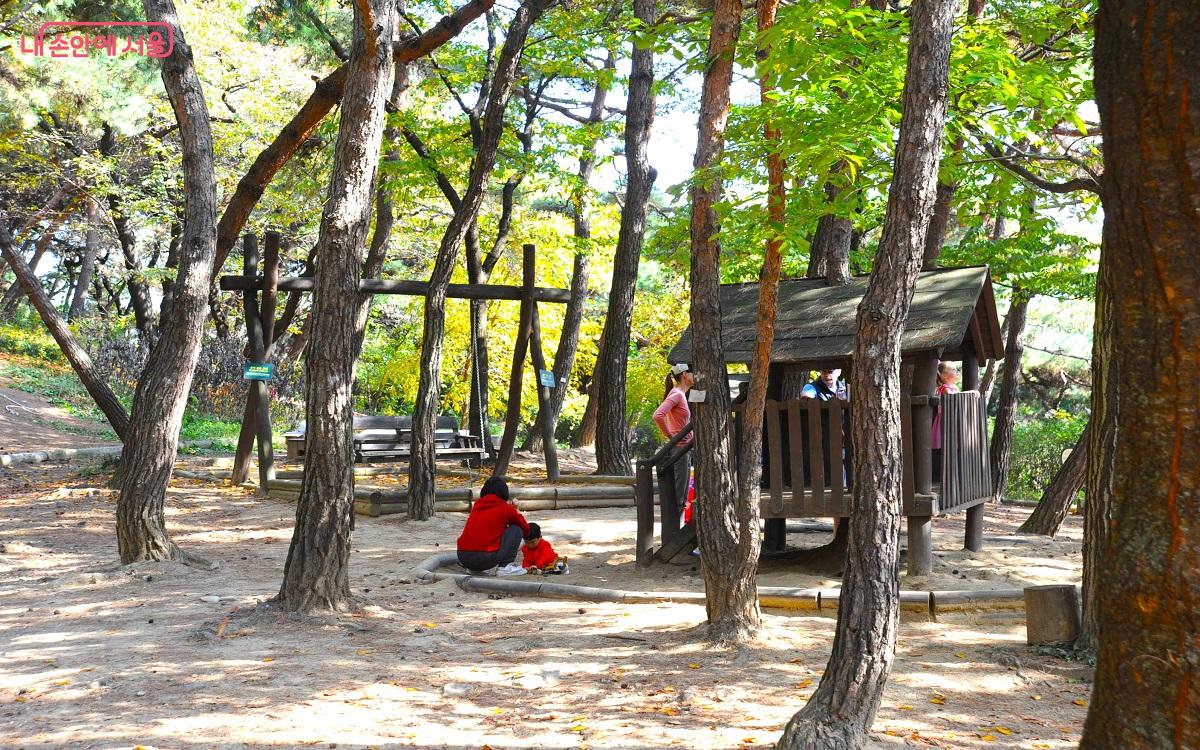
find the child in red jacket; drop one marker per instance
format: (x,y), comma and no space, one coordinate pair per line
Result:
(537,556)
(493,532)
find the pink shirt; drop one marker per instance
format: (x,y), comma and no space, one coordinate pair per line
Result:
(942,389)
(673,414)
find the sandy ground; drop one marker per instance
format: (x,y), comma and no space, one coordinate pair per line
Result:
(29,422)
(96,656)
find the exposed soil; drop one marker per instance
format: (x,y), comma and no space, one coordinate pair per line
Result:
(97,656)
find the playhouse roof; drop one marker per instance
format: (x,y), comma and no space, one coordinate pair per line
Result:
(816,322)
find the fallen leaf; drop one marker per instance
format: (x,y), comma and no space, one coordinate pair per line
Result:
(1079,702)
(905,707)
(430,624)
(1036,697)
(803,684)
(669,711)
(63,681)
(578,728)
(937,701)
(1004,731)
(961,655)
(693,665)
(268,658)
(987,737)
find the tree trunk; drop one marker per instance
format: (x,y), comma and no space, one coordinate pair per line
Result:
(1101,447)
(840,712)
(613,455)
(1052,509)
(316,574)
(1147,686)
(13,295)
(829,255)
(87,264)
(162,390)
(422,466)
(95,382)
(1006,415)
(728,530)
(587,426)
(581,200)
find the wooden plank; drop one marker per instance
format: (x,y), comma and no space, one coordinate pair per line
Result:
(414,288)
(775,454)
(837,502)
(815,455)
(796,456)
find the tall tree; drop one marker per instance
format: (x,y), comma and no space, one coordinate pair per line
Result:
(162,390)
(727,523)
(422,466)
(612,428)
(1006,415)
(86,265)
(1147,687)
(316,575)
(840,712)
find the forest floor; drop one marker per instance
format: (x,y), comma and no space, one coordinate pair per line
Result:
(164,656)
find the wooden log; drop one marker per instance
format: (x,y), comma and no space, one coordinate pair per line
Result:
(262,399)
(1052,614)
(595,479)
(413,288)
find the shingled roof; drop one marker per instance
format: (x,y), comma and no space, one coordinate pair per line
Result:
(816,322)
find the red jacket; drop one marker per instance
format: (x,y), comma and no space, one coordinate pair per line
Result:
(490,515)
(539,556)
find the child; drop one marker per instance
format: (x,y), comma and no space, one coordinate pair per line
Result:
(537,556)
(947,382)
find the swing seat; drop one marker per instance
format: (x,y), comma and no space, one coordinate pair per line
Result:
(384,438)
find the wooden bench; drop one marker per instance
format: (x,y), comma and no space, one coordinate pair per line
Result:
(390,439)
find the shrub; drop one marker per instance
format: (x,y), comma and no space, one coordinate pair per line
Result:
(30,341)
(1039,441)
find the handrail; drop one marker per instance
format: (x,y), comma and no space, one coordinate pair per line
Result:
(658,456)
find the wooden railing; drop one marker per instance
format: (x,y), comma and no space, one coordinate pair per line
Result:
(966,465)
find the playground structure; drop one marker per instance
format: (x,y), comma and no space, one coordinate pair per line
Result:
(953,317)
(389,438)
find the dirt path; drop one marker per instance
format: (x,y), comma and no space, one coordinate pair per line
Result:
(96,657)
(28,422)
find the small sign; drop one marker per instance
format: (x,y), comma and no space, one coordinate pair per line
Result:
(697,397)
(546,378)
(258,372)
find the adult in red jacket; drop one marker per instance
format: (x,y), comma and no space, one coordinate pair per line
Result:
(493,532)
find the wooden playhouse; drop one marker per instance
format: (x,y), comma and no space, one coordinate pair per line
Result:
(953,317)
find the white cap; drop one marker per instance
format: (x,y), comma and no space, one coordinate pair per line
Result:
(679,369)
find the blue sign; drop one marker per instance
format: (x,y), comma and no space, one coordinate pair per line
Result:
(546,378)
(258,372)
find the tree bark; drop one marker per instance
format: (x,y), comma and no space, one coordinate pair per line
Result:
(422,465)
(840,712)
(94,382)
(1006,414)
(162,390)
(87,264)
(728,530)
(613,455)
(1147,685)
(1052,509)
(829,254)
(316,574)
(1101,447)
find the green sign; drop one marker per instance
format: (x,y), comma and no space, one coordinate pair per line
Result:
(258,372)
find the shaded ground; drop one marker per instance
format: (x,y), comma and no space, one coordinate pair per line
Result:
(29,422)
(96,657)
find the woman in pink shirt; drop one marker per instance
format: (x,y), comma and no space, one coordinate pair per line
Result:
(672,415)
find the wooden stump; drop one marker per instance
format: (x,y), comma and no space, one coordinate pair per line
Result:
(1052,614)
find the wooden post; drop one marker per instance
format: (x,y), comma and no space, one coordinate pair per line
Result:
(644,492)
(970,368)
(775,529)
(924,383)
(512,417)
(266,439)
(545,395)
(1052,614)
(974,532)
(920,545)
(241,458)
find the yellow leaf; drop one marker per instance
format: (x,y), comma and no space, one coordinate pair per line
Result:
(579,728)
(961,655)
(63,681)
(1079,702)
(430,624)
(748,740)
(497,711)
(987,738)
(268,658)
(693,665)
(363,651)
(905,707)
(1004,731)
(669,711)
(1036,697)
(937,701)
(803,684)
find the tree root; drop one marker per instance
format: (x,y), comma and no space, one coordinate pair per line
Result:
(814,730)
